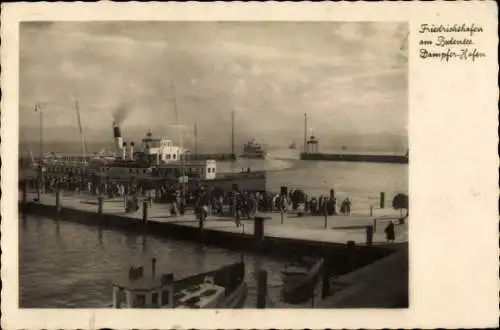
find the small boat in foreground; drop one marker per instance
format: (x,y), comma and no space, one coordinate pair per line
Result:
(300,278)
(221,288)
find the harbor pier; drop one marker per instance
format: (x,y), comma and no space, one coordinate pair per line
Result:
(267,233)
(358,262)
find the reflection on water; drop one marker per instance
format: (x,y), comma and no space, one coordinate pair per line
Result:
(65,264)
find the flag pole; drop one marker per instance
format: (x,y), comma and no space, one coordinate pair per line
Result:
(39,110)
(195,139)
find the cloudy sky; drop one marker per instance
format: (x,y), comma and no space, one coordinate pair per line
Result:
(350,77)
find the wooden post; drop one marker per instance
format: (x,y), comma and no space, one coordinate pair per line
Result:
(382,200)
(258,231)
(371,210)
(261,289)
(325,211)
(351,255)
(201,221)
(282,214)
(144,212)
(242,252)
(25,192)
(374,225)
(38,183)
(58,202)
(326,284)
(100,201)
(369,235)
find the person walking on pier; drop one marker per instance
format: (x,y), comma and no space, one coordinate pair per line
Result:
(348,206)
(389,232)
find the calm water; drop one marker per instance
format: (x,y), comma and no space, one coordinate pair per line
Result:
(73,265)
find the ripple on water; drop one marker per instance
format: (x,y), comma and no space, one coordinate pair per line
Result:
(72,265)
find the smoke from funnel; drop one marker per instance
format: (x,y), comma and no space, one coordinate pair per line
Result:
(121,113)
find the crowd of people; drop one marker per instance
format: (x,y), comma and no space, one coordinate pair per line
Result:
(215,202)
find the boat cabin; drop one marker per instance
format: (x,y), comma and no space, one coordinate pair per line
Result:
(141,291)
(160,150)
(205,170)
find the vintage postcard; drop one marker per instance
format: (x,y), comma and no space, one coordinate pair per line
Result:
(249,165)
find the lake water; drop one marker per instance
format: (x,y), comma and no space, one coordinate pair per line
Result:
(66,264)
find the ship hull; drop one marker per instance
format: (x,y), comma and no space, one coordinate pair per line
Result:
(253,156)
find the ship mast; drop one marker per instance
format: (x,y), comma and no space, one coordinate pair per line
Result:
(305,132)
(180,141)
(195,139)
(82,139)
(232,132)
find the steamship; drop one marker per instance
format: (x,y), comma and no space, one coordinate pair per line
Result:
(157,160)
(253,150)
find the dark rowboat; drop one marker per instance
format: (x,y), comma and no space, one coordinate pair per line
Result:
(300,278)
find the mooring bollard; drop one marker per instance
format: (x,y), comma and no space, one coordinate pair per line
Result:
(58,202)
(144,211)
(100,202)
(261,289)
(382,200)
(369,235)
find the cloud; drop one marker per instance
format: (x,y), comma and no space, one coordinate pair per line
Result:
(273,71)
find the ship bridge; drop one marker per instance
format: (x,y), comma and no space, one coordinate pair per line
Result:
(160,149)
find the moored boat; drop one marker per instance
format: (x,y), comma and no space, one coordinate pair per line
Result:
(300,278)
(221,288)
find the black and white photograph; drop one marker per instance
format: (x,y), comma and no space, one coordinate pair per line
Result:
(237,165)
(213,165)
